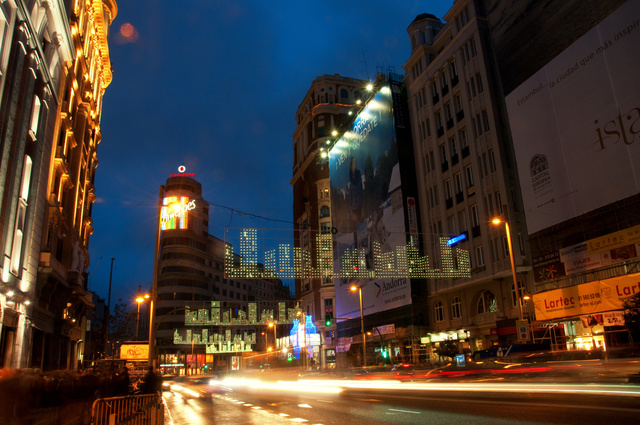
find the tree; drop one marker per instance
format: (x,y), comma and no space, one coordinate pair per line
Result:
(632,315)
(121,322)
(447,348)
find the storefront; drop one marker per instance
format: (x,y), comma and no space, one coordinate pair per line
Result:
(590,315)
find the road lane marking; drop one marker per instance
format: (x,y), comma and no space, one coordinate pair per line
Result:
(405,411)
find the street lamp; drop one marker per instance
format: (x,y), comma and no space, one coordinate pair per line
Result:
(364,337)
(497,221)
(275,339)
(141,298)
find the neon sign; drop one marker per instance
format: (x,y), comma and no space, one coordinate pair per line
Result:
(182,173)
(173,213)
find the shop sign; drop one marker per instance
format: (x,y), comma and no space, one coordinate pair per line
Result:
(589,298)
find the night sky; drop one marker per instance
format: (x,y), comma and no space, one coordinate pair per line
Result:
(215,86)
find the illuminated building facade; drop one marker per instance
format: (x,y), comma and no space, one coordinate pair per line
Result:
(190,275)
(51,92)
(327,106)
(467,176)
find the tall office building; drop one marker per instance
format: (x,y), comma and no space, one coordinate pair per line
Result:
(55,67)
(467,175)
(190,274)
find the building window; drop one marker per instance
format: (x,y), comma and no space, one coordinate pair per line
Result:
(479,83)
(324,211)
(35,118)
(485,120)
(447,189)
(472,44)
(514,296)
(492,161)
(21,212)
(487,303)
(456,310)
(475,218)
(479,256)
(462,221)
(469,176)
(438,309)
(458,183)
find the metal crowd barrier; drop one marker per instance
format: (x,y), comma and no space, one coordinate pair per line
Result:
(146,409)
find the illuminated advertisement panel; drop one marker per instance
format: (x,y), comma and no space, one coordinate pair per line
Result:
(367,211)
(576,124)
(174,212)
(588,298)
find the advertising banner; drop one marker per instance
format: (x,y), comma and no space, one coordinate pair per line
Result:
(592,254)
(367,210)
(586,299)
(576,124)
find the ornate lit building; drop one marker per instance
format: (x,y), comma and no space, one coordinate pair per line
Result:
(327,107)
(467,176)
(55,67)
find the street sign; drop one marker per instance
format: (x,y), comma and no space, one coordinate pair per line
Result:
(522,329)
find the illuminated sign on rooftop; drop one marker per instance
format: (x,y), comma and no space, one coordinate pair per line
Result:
(182,172)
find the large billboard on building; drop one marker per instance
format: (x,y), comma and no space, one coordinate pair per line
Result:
(589,298)
(367,210)
(576,124)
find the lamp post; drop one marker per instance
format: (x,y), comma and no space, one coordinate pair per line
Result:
(275,339)
(303,316)
(364,337)
(140,299)
(513,262)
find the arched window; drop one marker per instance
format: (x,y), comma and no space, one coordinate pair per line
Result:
(456,311)
(324,211)
(344,94)
(487,303)
(438,309)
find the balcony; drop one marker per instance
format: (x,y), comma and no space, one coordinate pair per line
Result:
(449,123)
(445,90)
(454,160)
(465,151)
(487,318)
(445,166)
(449,203)
(454,81)
(460,115)
(435,99)
(440,131)
(459,197)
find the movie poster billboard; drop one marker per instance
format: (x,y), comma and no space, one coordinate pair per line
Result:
(367,210)
(576,124)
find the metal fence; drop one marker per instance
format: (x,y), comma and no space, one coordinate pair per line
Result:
(144,409)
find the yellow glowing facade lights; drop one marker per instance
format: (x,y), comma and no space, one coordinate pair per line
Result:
(402,261)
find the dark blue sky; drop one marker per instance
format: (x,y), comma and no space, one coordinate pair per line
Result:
(215,86)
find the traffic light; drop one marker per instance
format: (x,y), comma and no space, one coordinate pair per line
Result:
(327,319)
(385,353)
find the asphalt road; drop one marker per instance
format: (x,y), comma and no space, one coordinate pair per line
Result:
(455,403)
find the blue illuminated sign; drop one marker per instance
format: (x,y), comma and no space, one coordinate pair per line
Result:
(457,239)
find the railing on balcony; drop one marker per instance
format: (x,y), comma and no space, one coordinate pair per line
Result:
(484,318)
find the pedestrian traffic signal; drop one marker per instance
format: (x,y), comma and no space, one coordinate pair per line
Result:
(385,354)
(327,319)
